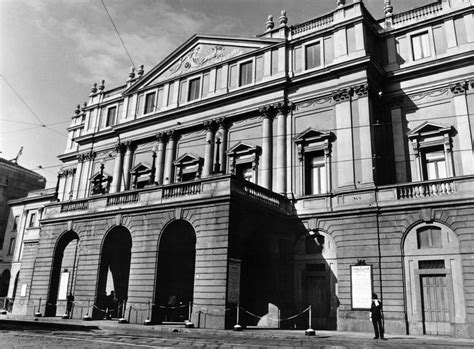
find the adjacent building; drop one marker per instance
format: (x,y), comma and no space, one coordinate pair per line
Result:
(313,165)
(15,182)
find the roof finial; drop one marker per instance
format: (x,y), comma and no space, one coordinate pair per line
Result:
(269,23)
(388,8)
(94,88)
(341,3)
(102,86)
(78,109)
(140,70)
(283,19)
(131,74)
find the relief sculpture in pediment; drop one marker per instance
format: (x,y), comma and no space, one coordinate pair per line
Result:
(202,56)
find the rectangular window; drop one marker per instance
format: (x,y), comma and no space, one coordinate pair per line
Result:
(315,174)
(111,113)
(32,221)
(421,46)
(150,103)
(313,55)
(205,84)
(171,94)
(259,68)
(274,61)
(297,59)
(434,165)
(11,247)
(245,171)
(460,29)
(429,237)
(16,220)
(194,91)
(246,73)
(183,96)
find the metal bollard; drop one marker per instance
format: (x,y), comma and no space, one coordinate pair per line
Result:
(310,331)
(38,313)
(237,326)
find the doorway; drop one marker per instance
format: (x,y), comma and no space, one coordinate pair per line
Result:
(435,304)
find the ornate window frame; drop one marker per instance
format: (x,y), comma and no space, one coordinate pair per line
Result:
(430,135)
(242,153)
(311,141)
(186,164)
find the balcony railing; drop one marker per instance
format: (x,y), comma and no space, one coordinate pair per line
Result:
(426,189)
(312,24)
(183,189)
(123,198)
(75,206)
(417,13)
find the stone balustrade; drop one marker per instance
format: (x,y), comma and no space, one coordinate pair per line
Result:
(426,189)
(316,23)
(77,205)
(417,14)
(180,190)
(123,198)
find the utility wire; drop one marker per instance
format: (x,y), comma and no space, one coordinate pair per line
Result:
(118,34)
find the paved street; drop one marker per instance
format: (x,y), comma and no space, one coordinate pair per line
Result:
(111,335)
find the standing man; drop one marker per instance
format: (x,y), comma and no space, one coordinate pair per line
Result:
(69,304)
(376,316)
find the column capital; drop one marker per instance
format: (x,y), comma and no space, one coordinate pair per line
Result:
(267,111)
(119,147)
(222,123)
(210,125)
(129,145)
(89,156)
(342,95)
(394,102)
(283,107)
(171,135)
(361,90)
(459,87)
(161,137)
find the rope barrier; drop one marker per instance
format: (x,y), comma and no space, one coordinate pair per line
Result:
(272,319)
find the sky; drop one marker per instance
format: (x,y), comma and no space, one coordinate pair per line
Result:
(52,51)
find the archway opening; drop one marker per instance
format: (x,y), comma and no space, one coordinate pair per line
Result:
(175,272)
(114,272)
(4,283)
(63,273)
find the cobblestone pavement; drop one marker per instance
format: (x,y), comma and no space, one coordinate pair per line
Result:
(16,336)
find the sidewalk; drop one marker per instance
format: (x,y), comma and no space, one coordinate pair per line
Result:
(111,325)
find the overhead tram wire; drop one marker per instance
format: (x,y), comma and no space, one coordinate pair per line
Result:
(41,124)
(118,34)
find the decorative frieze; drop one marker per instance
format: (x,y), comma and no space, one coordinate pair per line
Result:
(342,95)
(319,100)
(361,90)
(459,87)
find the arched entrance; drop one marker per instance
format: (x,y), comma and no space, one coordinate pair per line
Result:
(114,272)
(316,279)
(433,280)
(175,272)
(63,273)
(4,283)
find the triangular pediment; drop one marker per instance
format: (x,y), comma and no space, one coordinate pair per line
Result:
(96,176)
(242,148)
(140,168)
(187,159)
(429,128)
(313,135)
(200,51)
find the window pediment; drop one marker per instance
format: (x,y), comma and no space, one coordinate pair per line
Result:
(243,149)
(188,167)
(312,135)
(141,168)
(429,129)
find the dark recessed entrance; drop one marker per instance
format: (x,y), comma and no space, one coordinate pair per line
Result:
(175,272)
(114,273)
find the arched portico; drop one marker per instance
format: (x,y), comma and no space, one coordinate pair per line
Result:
(433,280)
(175,272)
(63,273)
(114,272)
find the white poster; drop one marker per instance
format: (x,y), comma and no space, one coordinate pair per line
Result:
(23,290)
(361,286)
(63,281)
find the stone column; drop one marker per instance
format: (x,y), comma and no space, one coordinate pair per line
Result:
(127,165)
(399,140)
(345,144)
(170,157)
(87,174)
(160,158)
(222,131)
(210,127)
(267,113)
(280,171)
(118,166)
(365,135)
(77,183)
(464,129)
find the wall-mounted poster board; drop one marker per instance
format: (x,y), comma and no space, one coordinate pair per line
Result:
(233,284)
(361,287)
